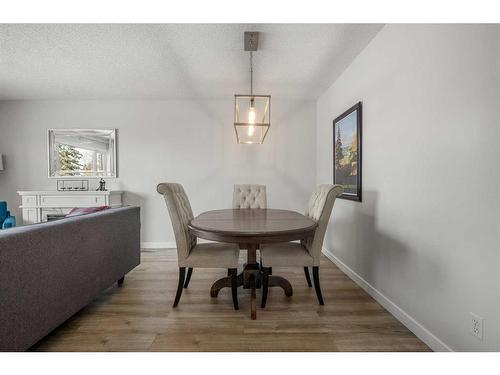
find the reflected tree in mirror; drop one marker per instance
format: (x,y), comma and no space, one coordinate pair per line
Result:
(69,158)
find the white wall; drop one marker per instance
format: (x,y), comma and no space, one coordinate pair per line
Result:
(427,232)
(191,142)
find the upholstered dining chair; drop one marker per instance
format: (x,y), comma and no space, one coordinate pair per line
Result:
(306,253)
(249,196)
(189,253)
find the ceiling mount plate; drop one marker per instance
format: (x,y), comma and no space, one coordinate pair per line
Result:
(251,40)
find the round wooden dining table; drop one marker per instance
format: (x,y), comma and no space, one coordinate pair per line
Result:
(250,228)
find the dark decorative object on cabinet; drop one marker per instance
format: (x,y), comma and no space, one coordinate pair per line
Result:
(102,185)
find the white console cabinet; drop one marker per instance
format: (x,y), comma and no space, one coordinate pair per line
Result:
(36,205)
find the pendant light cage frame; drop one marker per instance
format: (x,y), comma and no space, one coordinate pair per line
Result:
(252,132)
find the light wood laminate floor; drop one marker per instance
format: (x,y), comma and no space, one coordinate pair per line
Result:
(139,316)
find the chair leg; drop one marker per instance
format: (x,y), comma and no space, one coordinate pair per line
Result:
(308,277)
(317,287)
(265,285)
(188,277)
(120,281)
(234,286)
(182,274)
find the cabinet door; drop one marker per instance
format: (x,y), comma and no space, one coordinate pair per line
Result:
(30,216)
(29,200)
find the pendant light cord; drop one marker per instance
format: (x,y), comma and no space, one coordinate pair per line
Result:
(251,73)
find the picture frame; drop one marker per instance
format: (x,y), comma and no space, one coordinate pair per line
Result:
(347,152)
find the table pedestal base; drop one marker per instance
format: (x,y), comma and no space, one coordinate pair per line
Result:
(225,282)
(251,278)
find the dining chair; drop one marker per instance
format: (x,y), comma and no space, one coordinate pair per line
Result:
(190,254)
(249,196)
(307,253)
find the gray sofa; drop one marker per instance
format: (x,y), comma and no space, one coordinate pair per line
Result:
(49,271)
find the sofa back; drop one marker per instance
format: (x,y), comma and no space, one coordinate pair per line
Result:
(49,271)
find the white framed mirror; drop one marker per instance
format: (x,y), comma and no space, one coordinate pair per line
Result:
(80,153)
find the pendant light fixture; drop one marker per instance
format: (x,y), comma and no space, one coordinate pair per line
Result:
(252,113)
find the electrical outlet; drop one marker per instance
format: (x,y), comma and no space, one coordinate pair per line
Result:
(476,326)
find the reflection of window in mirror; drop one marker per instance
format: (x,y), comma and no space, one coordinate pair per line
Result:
(82,153)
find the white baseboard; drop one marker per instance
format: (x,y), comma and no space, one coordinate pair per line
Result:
(413,325)
(158,245)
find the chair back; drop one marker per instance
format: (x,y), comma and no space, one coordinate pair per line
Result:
(181,215)
(249,196)
(319,209)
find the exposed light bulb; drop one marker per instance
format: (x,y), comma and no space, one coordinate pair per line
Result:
(251,120)
(251,115)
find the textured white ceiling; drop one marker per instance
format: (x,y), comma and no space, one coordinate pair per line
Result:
(165,61)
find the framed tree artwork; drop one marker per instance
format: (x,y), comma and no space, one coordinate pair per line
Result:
(347,152)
